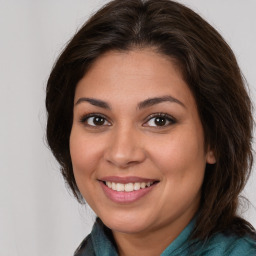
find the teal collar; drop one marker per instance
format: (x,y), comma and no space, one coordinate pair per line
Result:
(101,243)
(181,243)
(103,246)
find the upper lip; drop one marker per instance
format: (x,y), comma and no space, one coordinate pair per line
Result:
(124,180)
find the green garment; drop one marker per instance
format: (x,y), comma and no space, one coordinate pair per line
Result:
(100,243)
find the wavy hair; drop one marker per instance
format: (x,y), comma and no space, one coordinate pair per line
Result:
(210,69)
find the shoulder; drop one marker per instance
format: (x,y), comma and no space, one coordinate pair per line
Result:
(85,248)
(98,242)
(229,245)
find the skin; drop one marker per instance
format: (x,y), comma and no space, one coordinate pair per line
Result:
(130,143)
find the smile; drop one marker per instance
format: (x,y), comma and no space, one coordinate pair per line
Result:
(128,187)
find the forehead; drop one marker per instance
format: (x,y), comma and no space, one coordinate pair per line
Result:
(137,73)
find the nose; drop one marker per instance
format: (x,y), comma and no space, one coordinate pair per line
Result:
(125,148)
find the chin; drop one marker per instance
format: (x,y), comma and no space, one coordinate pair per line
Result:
(125,224)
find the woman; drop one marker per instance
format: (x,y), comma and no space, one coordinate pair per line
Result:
(151,123)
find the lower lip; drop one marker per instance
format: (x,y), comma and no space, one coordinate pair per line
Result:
(125,197)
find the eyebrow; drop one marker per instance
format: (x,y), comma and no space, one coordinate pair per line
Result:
(144,104)
(94,102)
(153,101)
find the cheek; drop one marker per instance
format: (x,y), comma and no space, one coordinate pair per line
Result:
(182,167)
(84,153)
(183,155)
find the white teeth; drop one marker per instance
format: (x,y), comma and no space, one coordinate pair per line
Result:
(136,186)
(143,185)
(119,187)
(128,187)
(109,184)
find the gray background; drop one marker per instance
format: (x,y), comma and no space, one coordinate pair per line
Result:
(38,216)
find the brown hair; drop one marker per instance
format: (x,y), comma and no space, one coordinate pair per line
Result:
(210,69)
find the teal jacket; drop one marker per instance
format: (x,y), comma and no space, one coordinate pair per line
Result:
(99,243)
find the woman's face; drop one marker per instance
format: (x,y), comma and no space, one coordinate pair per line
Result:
(137,143)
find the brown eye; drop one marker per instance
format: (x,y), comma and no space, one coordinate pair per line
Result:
(95,120)
(160,120)
(98,120)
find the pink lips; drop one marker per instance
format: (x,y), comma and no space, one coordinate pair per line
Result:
(125,197)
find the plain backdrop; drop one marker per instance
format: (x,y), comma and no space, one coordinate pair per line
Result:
(38,216)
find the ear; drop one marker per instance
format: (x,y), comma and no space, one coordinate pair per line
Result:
(210,157)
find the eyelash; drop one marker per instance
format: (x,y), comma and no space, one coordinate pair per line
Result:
(85,118)
(171,120)
(165,116)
